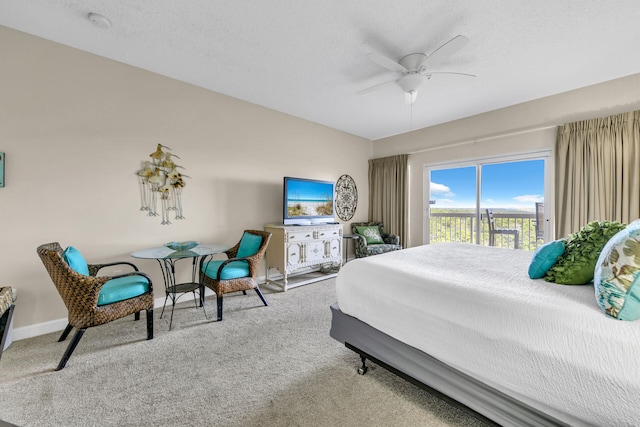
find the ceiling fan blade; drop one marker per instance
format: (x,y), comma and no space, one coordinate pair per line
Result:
(385,62)
(428,73)
(372,88)
(447,49)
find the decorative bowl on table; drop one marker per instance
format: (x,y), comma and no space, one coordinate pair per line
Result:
(182,246)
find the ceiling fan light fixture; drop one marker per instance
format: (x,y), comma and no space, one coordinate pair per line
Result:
(410,97)
(411,82)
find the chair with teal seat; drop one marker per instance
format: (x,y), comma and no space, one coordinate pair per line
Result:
(239,271)
(93,300)
(7,305)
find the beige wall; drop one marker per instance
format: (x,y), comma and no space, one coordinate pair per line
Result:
(75,127)
(518,129)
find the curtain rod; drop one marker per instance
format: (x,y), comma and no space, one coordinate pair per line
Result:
(486,138)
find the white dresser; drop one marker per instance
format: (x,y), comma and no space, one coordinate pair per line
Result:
(296,250)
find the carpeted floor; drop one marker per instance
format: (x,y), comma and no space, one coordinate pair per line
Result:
(261,366)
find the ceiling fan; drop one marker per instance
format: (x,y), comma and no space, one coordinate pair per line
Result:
(414,67)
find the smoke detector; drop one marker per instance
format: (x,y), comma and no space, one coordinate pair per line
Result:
(99,21)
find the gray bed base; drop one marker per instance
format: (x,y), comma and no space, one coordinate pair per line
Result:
(439,379)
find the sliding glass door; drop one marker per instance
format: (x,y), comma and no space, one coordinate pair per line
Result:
(509,194)
(452,205)
(490,202)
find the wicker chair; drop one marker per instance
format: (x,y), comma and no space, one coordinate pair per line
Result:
(80,294)
(7,305)
(362,249)
(239,271)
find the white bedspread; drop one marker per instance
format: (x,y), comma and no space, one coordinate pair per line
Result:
(475,309)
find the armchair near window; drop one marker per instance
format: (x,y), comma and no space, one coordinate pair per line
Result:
(372,239)
(94,300)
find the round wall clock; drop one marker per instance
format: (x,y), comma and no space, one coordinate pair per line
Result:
(346,197)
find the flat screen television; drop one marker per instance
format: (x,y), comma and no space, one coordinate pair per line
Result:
(308,201)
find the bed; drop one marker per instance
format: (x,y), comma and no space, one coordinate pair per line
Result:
(467,322)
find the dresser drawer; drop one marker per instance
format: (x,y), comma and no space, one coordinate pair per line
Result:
(329,233)
(300,236)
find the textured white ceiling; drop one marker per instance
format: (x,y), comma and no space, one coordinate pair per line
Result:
(307,58)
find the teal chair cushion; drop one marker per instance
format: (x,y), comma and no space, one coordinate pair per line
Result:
(233,270)
(76,261)
(249,245)
(122,288)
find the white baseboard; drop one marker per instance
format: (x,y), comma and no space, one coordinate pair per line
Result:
(59,324)
(39,329)
(50,326)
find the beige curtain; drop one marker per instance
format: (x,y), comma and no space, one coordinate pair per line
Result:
(388,194)
(597,171)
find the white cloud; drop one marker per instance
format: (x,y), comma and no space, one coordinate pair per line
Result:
(440,202)
(529,198)
(527,207)
(440,189)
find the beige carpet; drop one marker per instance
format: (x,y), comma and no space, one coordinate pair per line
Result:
(260,366)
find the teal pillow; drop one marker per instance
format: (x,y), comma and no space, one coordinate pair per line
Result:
(249,245)
(76,261)
(544,257)
(617,275)
(371,234)
(233,270)
(122,288)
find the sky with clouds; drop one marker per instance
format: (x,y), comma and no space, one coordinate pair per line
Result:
(513,185)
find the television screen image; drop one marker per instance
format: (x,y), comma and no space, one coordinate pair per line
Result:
(308,199)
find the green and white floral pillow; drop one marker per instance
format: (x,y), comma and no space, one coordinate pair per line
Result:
(371,234)
(617,274)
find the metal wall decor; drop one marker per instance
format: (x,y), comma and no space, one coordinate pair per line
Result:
(346,197)
(160,179)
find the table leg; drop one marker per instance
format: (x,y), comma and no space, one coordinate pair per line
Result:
(346,251)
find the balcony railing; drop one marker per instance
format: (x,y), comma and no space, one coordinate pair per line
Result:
(461,227)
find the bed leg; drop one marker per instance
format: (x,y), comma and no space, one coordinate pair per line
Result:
(364,368)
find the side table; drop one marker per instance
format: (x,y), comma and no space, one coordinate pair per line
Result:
(347,238)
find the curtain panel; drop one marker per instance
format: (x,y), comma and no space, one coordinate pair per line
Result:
(597,171)
(388,194)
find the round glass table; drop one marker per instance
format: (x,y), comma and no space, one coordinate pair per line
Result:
(167,258)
